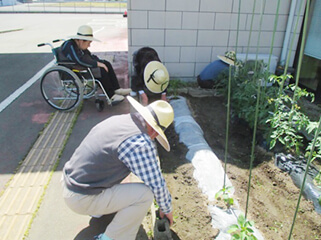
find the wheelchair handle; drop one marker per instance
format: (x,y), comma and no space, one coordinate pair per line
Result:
(49,44)
(57,40)
(43,44)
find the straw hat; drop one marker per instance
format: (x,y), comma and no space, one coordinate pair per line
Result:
(156,77)
(159,115)
(229,57)
(85,32)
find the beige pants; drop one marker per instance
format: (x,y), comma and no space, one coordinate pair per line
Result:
(130,202)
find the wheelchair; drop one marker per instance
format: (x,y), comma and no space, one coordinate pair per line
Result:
(66,84)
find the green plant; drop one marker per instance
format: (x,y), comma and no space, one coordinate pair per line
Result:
(311,128)
(288,121)
(286,125)
(276,227)
(242,230)
(245,82)
(317,181)
(224,194)
(316,154)
(174,85)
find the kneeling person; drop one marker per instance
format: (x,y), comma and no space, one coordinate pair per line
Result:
(112,150)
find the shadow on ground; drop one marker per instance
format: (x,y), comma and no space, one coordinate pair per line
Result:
(98,225)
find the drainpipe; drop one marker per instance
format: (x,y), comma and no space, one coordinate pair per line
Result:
(288,33)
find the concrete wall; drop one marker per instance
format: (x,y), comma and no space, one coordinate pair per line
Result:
(189,34)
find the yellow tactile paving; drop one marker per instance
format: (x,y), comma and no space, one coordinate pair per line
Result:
(21,197)
(14,225)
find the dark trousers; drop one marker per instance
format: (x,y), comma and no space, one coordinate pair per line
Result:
(108,79)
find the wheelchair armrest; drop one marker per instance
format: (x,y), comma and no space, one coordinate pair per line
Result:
(67,64)
(74,66)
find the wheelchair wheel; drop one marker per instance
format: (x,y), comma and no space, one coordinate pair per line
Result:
(61,88)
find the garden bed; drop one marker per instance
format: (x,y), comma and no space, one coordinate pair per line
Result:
(273,196)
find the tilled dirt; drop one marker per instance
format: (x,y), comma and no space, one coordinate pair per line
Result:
(273,196)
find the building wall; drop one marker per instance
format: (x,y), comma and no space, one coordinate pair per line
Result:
(189,34)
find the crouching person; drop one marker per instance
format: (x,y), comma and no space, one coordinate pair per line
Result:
(112,150)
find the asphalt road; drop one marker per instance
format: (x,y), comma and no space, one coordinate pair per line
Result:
(23,112)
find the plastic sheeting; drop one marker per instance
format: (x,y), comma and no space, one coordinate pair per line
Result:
(296,169)
(208,172)
(208,169)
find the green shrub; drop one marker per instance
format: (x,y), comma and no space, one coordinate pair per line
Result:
(245,84)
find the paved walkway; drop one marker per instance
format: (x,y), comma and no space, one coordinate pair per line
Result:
(32,202)
(23,195)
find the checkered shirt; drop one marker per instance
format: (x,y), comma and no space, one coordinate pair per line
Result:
(138,153)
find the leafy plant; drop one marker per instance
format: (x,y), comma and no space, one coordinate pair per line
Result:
(288,121)
(174,85)
(279,107)
(247,79)
(316,154)
(311,128)
(242,230)
(224,194)
(286,124)
(317,180)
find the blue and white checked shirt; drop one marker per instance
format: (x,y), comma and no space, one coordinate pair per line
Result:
(138,153)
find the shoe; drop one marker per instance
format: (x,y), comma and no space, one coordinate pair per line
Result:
(102,237)
(117,98)
(123,91)
(96,216)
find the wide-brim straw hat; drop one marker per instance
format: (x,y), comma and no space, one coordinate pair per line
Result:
(156,77)
(85,32)
(229,58)
(159,115)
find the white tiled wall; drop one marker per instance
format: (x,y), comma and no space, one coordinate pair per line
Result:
(189,34)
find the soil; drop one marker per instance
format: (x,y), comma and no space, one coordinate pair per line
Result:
(273,196)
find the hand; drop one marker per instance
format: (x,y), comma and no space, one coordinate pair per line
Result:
(169,216)
(102,65)
(144,99)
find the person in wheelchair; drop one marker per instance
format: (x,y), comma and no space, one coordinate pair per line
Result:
(75,49)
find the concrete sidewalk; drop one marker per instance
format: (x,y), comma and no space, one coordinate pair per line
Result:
(54,220)
(32,206)
(24,194)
